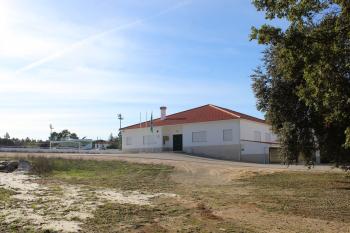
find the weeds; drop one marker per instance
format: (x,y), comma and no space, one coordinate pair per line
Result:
(41,165)
(319,195)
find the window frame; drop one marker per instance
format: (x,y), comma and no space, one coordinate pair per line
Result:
(231,135)
(257,136)
(128,141)
(268,137)
(203,137)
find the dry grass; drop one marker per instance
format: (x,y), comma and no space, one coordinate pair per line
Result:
(277,202)
(318,195)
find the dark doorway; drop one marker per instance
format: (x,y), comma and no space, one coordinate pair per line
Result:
(177,142)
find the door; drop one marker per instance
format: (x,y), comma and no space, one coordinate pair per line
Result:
(177,142)
(274,155)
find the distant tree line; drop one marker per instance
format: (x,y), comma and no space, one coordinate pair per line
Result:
(63,135)
(28,142)
(6,140)
(16,142)
(115,142)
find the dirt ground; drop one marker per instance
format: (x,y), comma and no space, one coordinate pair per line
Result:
(216,190)
(190,169)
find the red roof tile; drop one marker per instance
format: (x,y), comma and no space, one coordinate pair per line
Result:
(204,113)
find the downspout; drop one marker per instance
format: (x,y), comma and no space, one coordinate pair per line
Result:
(239,140)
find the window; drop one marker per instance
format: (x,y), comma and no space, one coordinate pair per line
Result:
(165,139)
(227,135)
(267,137)
(149,140)
(199,136)
(128,141)
(257,136)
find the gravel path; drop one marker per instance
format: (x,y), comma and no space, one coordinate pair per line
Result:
(190,169)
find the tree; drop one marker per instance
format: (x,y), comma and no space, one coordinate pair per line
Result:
(111,138)
(7,135)
(120,138)
(74,136)
(63,135)
(114,142)
(304,83)
(53,136)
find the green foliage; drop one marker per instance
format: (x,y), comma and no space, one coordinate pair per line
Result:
(304,85)
(347,142)
(116,174)
(16,142)
(7,135)
(115,142)
(5,195)
(63,135)
(41,165)
(318,194)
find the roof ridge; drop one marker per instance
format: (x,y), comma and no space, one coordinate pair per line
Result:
(224,110)
(187,110)
(245,116)
(143,122)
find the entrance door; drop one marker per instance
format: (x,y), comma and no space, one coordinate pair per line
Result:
(177,142)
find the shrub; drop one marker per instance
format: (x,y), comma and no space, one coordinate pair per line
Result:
(41,165)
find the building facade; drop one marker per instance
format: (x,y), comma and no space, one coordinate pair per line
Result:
(208,131)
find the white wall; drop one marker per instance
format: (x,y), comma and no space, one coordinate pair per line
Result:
(249,147)
(136,136)
(248,128)
(170,131)
(243,133)
(214,131)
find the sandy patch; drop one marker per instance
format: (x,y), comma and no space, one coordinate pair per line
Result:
(270,222)
(66,226)
(18,182)
(62,208)
(134,197)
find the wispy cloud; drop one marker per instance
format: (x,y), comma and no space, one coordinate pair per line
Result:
(66,70)
(96,36)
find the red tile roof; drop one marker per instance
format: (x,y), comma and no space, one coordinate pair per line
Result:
(204,113)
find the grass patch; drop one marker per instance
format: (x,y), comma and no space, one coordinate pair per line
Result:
(199,207)
(41,165)
(5,195)
(111,174)
(165,217)
(317,195)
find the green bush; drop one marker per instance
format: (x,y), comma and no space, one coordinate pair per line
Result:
(41,165)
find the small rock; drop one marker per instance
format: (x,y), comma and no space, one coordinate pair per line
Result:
(24,166)
(8,166)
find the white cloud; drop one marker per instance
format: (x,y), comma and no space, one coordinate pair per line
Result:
(18,39)
(64,66)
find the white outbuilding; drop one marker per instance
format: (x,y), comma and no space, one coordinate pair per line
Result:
(208,131)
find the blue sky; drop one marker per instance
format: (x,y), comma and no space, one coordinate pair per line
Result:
(77,64)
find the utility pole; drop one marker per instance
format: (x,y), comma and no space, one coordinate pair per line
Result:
(51,128)
(120,118)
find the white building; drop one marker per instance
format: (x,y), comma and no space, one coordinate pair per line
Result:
(208,131)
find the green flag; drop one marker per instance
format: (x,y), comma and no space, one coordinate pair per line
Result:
(151,122)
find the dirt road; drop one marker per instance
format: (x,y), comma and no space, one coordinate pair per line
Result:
(273,207)
(189,169)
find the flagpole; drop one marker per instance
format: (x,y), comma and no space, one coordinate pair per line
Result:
(146,120)
(140,120)
(151,122)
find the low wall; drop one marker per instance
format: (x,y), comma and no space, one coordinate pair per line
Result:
(143,150)
(226,152)
(255,158)
(41,150)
